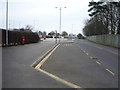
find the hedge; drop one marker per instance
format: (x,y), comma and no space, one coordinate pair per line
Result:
(14,37)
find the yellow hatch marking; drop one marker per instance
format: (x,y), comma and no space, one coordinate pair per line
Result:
(43,61)
(59,79)
(38,67)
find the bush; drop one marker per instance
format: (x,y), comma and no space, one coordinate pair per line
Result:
(14,37)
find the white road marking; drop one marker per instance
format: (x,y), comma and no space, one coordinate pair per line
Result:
(84,51)
(87,53)
(110,72)
(91,57)
(98,62)
(68,44)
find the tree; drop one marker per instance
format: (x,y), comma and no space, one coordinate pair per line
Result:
(105,18)
(28,28)
(95,8)
(22,29)
(64,33)
(52,33)
(80,36)
(44,33)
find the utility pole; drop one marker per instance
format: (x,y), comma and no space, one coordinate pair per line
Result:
(7,22)
(60,8)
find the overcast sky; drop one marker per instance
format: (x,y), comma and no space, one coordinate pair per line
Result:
(43,15)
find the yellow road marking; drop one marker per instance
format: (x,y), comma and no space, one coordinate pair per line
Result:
(59,79)
(98,62)
(38,67)
(42,62)
(110,72)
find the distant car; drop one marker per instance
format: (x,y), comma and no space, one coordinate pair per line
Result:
(57,37)
(82,37)
(66,36)
(49,36)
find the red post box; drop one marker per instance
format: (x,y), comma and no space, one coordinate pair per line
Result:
(23,40)
(44,38)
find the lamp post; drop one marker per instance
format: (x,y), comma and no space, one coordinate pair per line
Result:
(60,8)
(56,36)
(7,22)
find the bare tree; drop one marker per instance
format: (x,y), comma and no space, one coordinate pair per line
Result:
(28,28)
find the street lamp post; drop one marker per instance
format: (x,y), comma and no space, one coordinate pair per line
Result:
(60,8)
(56,36)
(7,22)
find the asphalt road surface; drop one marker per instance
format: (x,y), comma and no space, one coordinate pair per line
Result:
(17,71)
(85,64)
(107,55)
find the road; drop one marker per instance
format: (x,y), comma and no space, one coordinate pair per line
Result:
(17,70)
(106,55)
(83,63)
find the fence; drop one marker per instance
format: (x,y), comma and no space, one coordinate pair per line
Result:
(14,37)
(111,40)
